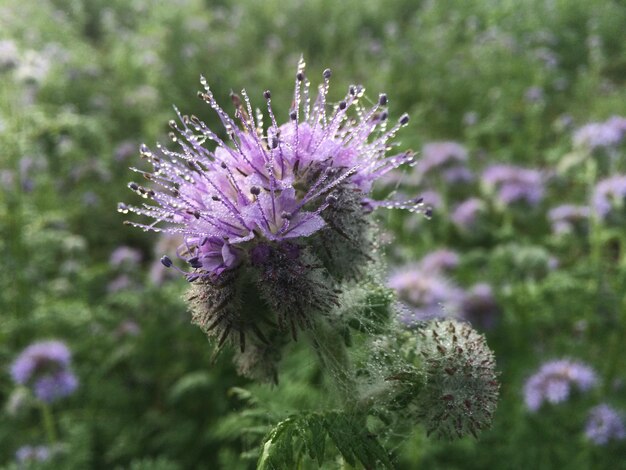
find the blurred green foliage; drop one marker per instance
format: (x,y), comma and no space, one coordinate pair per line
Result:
(92,79)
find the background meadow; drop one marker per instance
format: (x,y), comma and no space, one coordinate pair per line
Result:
(518,112)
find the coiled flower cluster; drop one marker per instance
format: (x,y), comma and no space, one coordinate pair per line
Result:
(277,213)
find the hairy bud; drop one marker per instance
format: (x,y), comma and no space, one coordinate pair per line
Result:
(461,390)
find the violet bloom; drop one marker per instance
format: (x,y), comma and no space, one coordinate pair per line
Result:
(608,194)
(565,217)
(427,295)
(124,256)
(553,382)
(30,454)
(280,212)
(479,307)
(464,215)
(45,367)
(596,135)
(604,424)
(450,158)
(440,260)
(515,184)
(271,186)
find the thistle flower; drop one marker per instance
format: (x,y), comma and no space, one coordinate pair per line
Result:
(553,382)
(280,213)
(45,367)
(461,390)
(604,424)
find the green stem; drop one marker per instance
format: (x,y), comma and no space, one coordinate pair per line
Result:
(332,351)
(48,423)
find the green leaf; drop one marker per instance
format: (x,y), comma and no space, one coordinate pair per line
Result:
(308,432)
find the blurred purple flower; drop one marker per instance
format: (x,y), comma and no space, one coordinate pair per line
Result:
(465,214)
(449,157)
(564,217)
(514,184)
(609,133)
(604,424)
(45,366)
(29,454)
(608,194)
(552,383)
(479,306)
(534,94)
(439,260)
(427,294)
(125,256)
(125,150)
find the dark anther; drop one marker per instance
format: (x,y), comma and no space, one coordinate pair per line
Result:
(255,190)
(428,213)
(267,95)
(331,199)
(286,215)
(293,115)
(223,165)
(165,261)
(274,142)
(300,76)
(404,119)
(196,214)
(382,99)
(215,198)
(133,186)
(327,74)
(384,116)
(151,193)
(172,124)
(342,105)
(195,262)
(352,90)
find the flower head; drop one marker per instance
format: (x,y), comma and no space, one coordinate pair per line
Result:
(607,134)
(45,366)
(465,214)
(552,383)
(514,184)
(565,217)
(449,157)
(278,211)
(609,193)
(604,424)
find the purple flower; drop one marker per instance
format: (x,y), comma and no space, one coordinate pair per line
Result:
(440,260)
(27,454)
(534,94)
(609,193)
(427,294)
(566,216)
(465,214)
(450,157)
(514,184)
(595,135)
(552,383)
(604,424)
(268,185)
(479,306)
(44,366)
(124,256)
